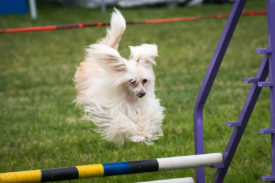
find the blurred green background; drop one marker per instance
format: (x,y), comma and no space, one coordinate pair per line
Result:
(40,127)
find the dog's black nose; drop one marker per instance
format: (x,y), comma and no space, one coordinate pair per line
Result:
(141,94)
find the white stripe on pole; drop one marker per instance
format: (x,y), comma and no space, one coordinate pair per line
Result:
(191,161)
(178,180)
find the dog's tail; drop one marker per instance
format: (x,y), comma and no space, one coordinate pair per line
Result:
(117,28)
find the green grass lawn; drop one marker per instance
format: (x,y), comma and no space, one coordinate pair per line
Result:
(40,127)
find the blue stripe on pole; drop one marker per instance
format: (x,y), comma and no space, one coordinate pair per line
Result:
(116,168)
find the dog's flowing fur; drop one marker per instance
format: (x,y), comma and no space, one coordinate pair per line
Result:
(110,89)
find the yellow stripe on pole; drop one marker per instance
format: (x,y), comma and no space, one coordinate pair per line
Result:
(25,176)
(87,171)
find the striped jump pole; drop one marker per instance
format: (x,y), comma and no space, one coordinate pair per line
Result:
(100,24)
(110,169)
(178,180)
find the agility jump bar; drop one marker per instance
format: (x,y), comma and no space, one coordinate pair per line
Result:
(177,180)
(110,169)
(100,24)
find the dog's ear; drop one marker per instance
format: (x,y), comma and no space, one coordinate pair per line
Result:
(108,58)
(144,53)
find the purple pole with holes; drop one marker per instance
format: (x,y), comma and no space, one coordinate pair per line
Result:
(239,127)
(209,80)
(267,66)
(271,58)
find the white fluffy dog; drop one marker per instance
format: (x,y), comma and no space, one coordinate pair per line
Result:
(117,94)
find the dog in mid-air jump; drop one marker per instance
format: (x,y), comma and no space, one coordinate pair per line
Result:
(117,94)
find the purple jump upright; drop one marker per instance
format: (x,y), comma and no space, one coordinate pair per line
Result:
(258,82)
(209,80)
(271,58)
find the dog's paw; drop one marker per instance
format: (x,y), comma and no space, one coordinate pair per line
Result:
(137,138)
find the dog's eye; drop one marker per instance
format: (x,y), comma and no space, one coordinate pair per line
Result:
(144,81)
(132,82)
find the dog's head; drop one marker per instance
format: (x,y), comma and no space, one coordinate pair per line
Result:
(135,74)
(140,68)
